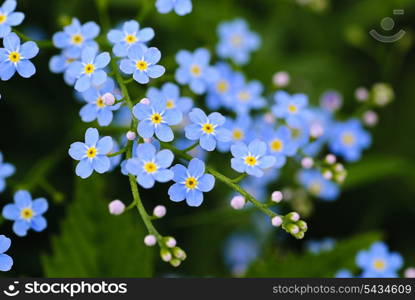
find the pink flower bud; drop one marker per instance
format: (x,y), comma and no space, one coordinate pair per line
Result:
(116,207)
(276,196)
(331,159)
(370,118)
(131,135)
(150,240)
(145,101)
(276,221)
(328,175)
(238,202)
(410,273)
(108,99)
(281,79)
(159,211)
(307,162)
(171,242)
(361,94)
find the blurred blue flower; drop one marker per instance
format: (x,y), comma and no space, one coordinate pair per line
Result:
(15,57)
(115,160)
(150,166)
(194,70)
(207,129)
(317,185)
(191,183)
(6,170)
(8,17)
(26,213)
(289,107)
(198,152)
(280,144)
(92,154)
(251,159)
(378,262)
(174,102)
(343,273)
(75,37)
(88,71)
(348,139)
(6,262)
(236,41)
(130,35)
(142,63)
(220,91)
(316,247)
(96,107)
(239,131)
(60,64)
(319,122)
(156,119)
(240,250)
(246,95)
(181,7)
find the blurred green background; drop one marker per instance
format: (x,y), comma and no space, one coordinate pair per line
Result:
(323,45)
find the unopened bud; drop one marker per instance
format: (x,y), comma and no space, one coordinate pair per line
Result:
(303,225)
(328,175)
(131,135)
(410,273)
(179,253)
(293,229)
(170,242)
(116,207)
(108,99)
(281,79)
(276,221)
(150,240)
(175,262)
(159,211)
(293,216)
(276,196)
(238,202)
(331,159)
(370,118)
(145,101)
(165,254)
(307,162)
(361,94)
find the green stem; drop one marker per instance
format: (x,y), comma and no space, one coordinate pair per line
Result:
(191,147)
(239,178)
(46,44)
(117,153)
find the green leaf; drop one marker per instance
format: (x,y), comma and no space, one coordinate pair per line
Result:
(325,264)
(93,243)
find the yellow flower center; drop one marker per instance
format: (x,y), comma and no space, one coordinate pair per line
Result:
(26,213)
(77,39)
(348,139)
(237,134)
(222,86)
(208,128)
(292,108)
(195,70)
(150,167)
(69,60)
(236,40)
(244,96)
(276,145)
(3,18)
(100,103)
(14,57)
(130,39)
(170,104)
(191,183)
(379,264)
(156,118)
(89,68)
(315,188)
(250,160)
(141,65)
(91,152)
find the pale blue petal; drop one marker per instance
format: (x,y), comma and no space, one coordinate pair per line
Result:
(206,183)
(155,71)
(238,165)
(145,180)
(164,133)
(84,169)
(164,158)
(198,116)
(102,60)
(11,212)
(101,164)
(257,147)
(180,173)
(21,227)
(40,206)
(83,83)
(91,136)
(99,77)
(29,50)
(105,145)
(141,77)
(177,192)
(6,263)
(196,168)
(127,66)
(145,129)
(115,36)
(194,198)
(38,223)
(164,175)
(25,68)
(22,199)
(193,132)
(208,142)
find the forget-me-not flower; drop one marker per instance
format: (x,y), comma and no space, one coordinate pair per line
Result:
(194,69)
(8,17)
(142,63)
(349,139)
(26,213)
(156,119)
(220,91)
(75,37)
(96,107)
(246,95)
(378,262)
(6,170)
(289,107)
(6,262)
(89,71)
(236,41)
(15,57)
(150,166)
(92,154)
(191,183)
(60,64)
(207,129)
(251,159)
(239,131)
(317,185)
(130,35)
(280,144)
(181,7)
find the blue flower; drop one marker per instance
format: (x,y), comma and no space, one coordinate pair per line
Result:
(26,213)
(239,131)
(281,144)
(181,7)
(207,129)
(378,262)
(6,170)
(174,102)
(348,139)
(319,122)
(150,166)
(89,71)
(15,57)
(75,37)
(155,118)
(142,63)
(343,273)
(194,70)
(92,154)
(96,108)
(130,35)
(8,17)
(317,185)
(60,64)
(6,262)
(246,95)
(323,245)
(240,250)
(191,183)
(236,41)
(220,91)
(289,107)
(251,159)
